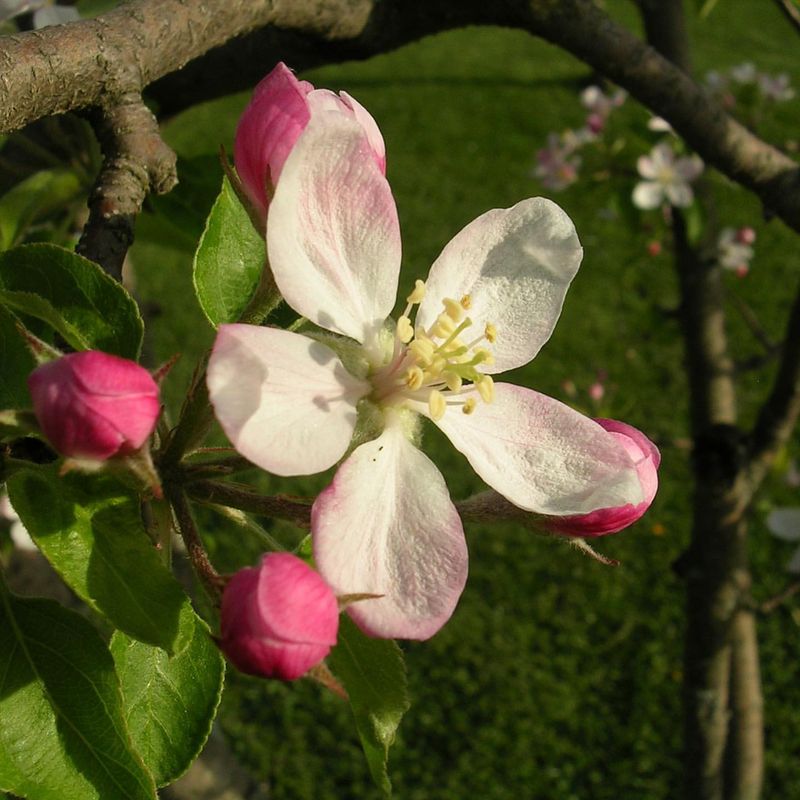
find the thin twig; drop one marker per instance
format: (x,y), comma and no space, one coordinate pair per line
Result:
(213,582)
(296,510)
(136,161)
(791,12)
(768,606)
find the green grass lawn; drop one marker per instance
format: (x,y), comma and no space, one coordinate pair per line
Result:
(557,677)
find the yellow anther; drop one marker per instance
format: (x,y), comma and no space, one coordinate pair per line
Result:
(405,331)
(414,378)
(453,382)
(418,294)
(466,302)
(453,309)
(423,350)
(443,327)
(469,405)
(485,387)
(482,356)
(490,332)
(436,405)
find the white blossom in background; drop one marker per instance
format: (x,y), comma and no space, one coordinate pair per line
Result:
(660,125)
(744,72)
(600,105)
(45,12)
(734,251)
(666,178)
(557,164)
(784,523)
(775,87)
(19,535)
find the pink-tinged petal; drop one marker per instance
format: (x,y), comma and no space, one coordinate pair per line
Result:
(333,236)
(268,130)
(386,525)
(285,401)
(542,455)
(647,167)
(648,194)
(326,100)
(679,195)
(646,457)
(516,265)
(785,523)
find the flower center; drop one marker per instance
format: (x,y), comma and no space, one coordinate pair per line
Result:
(433,366)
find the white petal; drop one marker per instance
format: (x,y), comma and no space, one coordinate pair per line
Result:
(646,167)
(516,264)
(285,401)
(648,194)
(784,523)
(679,194)
(333,237)
(386,525)
(542,455)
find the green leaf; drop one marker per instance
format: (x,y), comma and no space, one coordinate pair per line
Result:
(85,297)
(62,731)
(34,197)
(35,306)
(170,701)
(17,363)
(373,673)
(90,529)
(229,259)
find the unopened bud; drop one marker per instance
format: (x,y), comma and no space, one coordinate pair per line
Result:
(279,619)
(94,405)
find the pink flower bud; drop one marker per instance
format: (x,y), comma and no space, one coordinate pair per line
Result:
(745,235)
(278,619)
(610,520)
(273,121)
(94,405)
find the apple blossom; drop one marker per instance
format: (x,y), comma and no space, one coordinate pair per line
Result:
(290,403)
(278,619)
(775,87)
(784,523)
(667,178)
(94,405)
(600,105)
(557,165)
(733,249)
(276,116)
(610,520)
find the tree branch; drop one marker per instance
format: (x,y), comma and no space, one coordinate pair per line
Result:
(791,12)
(136,162)
(781,411)
(85,63)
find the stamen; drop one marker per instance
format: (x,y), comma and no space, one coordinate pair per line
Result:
(414,378)
(453,381)
(443,327)
(423,349)
(482,356)
(405,331)
(436,405)
(469,405)
(418,294)
(453,309)
(485,387)
(466,302)
(490,332)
